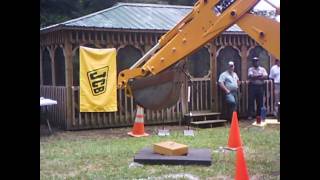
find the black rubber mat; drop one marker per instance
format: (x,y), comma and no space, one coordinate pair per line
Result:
(194,157)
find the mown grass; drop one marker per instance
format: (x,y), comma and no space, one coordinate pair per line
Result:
(107,157)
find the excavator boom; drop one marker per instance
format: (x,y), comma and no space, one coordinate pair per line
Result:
(155,80)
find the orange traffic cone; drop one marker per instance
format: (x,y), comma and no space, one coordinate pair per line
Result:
(241,167)
(234,136)
(138,127)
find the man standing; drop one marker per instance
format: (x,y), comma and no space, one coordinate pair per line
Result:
(256,76)
(229,81)
(275,76)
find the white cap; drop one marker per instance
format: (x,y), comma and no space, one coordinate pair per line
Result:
(230,63)
(255,59)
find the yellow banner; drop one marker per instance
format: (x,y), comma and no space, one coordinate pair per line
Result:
(98,80)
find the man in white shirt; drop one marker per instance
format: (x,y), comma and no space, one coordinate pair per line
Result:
(256,76)
(275,76)
(229,82)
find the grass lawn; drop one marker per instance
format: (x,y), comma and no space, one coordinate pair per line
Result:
(107,154)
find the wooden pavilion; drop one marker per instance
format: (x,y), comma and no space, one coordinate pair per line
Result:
(133,29)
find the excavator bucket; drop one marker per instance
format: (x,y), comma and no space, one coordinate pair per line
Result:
(158,91)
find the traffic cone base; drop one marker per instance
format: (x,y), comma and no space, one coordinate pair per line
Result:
(234,136)
(138,135)
(230,149)
(241,167)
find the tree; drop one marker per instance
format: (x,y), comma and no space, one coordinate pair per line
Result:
(89,6)
(56,11)
(53,11)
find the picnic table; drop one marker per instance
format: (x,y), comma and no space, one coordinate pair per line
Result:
(45,103)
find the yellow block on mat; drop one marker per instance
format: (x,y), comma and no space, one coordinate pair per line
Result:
(170,148)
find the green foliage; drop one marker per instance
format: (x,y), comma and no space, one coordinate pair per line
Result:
(57,11)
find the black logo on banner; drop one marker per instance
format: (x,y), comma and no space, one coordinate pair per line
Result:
(98,80)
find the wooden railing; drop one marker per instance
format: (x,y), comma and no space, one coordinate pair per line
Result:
(201,96)
(56,113)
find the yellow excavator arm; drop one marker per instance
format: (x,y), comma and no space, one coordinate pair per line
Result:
(207,20)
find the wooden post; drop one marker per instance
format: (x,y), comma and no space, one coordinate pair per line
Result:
(214,88)
(53,71)
(244,62)
(184,97)
(41,71)
(69,80)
